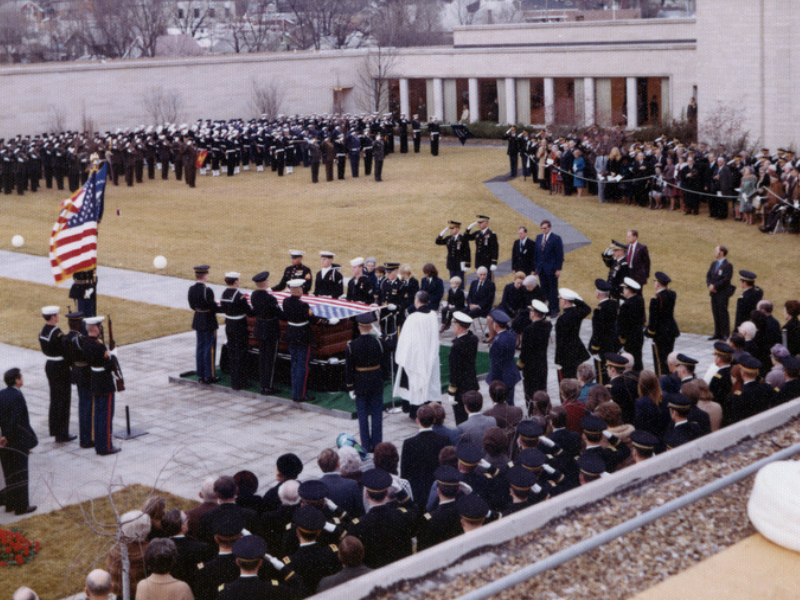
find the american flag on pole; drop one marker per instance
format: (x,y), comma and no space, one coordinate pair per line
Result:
(73,242)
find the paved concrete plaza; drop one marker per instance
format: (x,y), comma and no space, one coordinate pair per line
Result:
(193,432)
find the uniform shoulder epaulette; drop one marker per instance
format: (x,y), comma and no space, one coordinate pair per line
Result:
(427,516)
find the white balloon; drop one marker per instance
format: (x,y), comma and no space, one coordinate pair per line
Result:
(17,241)
(160,262)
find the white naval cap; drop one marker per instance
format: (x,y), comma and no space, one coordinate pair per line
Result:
(357,261)
(50,310)
(463,318)
(296,253)
(631,283)
(540,307)
(232,275)
(326,254)
(93,320)
(296,283)
(569,295)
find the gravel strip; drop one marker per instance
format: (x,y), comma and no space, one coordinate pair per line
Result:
(634,562)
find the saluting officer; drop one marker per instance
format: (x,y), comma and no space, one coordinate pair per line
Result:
(458,254)
(329,281)
(236,309)
(51,340)
(486,247)
(297,270)
(267,331)
(204,322)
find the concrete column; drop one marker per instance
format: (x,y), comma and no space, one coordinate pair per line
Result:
(450,101)
(549,100)
(588,101)
(474,100)
(438,99)
(523,101)
(502,116)
(666,109)
(631,101)
(577,101)
(602,101)
(511,100)
(404,102)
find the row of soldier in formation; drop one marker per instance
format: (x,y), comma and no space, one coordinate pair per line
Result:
(273,144)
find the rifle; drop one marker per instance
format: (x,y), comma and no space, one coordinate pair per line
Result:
(116,369)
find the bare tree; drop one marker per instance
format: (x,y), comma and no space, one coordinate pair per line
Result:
(373,79)
(13,29)
(723,125)
(332,23)
(398,23)
(193,16)
(162,106)
(251,32)
(57,119)
(149,20)
(266,97)
(106,30)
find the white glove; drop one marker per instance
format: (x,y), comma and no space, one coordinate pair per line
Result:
(493,268)
(596,357)
(329,527)
(333,321)
(113,352)
(353,395)
(547,442)
(330,504)
(88,293)
(464,266)
(548,468)
(274,561)
(485,464)
(472,225)
(391,306)
(608,434)
(343,297)
(445,230)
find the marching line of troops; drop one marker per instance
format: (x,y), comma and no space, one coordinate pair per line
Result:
(207,146)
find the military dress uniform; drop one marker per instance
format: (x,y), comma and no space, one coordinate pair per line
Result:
(360,290)
(295,272)
(463,374)
(416,133)
(364,359)
(661,326)
(458,253)
(570,351)
(433,129)
(204,322)
(52,342)
(236,309)
(630,326)
(267,331)
(84,291)
(81,376)
(103,393)
(747,303)
(486,248)
(533,356)
(299,337)
(604,333)
(330,284)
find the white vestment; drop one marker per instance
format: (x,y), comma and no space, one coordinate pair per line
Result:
(418,355)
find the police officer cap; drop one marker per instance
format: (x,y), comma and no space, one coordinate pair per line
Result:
(472,508)
(619,245)
(679,401)
(93,320)
(631,283)
(663,278)
(313,490)
(249,547)
(263,276)
(366,318)
(592,423)
(682,359)
(643,439)
(602,285)
(357,261)
(232,275)
(615,360)
(790,363)
(749,362)
(227,523)
(296,283)
(722,348)
(747,275)
(289,465)
(75,316)
(529,430)
(531,458)
(469,454)
(500,316)
(202,269)
(376,480)
(463,318)
(669,385)
(589,463)
(308,518)
(447,475)
(521,478)
(49,311)
(540,307)
(568,294)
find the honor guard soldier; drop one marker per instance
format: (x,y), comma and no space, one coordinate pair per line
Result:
(462,358)
(249,551)
(329,281)
(458,254)
(300,337)
(402,132)
(364,359)
(74,343)
(721,385)
(297,270)
(551,480)
(52,342)
(681,430)
(236,309)
(267,331)
(387,528)
(486,248)
(748,301)
(359,288)
(313,492)
(103,388)
(391,293)
(433,130)
(204,322)
(755,396)
(631,321)
(84,290)
(590,467)
(661,327)
(624,388)
(416,132)
(604,328)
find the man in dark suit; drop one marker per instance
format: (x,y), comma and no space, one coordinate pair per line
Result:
(17,439)
(345,493)
(661,327)
(226,490)
(458,253)
(480,297)
(638,258)
(718,280)
(463,354)
(547,263)
(570,351)
(523,253)
(420,456)
(748,301)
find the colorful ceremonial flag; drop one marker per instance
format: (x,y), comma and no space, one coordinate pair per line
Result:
(201,157)
(73,242)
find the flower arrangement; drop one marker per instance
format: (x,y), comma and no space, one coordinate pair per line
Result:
(15,548)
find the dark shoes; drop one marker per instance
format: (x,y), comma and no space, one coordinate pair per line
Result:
(87,445)
(209,380)
(68,438)
(112,450)
(269,391)
(25,511)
